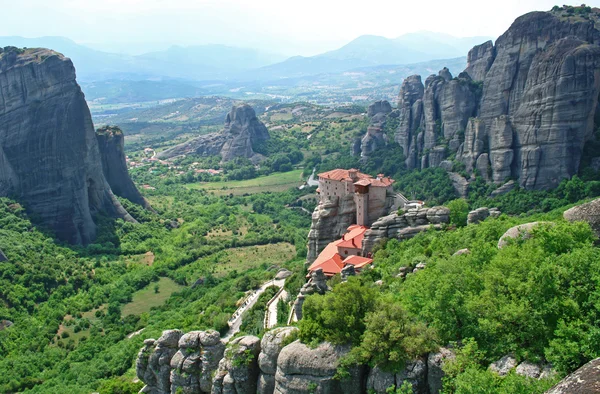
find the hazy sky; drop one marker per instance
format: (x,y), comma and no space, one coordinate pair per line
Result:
(291,27)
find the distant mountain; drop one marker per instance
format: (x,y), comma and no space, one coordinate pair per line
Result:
(203,62)
(220,58)
(367,51)
(89,63)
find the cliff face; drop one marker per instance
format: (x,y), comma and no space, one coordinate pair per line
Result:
(199,362)
(523,108)
(241,132)
(112,153)
(49,157)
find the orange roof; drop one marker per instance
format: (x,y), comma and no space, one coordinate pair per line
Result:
(353,237)
(364,179)
(342,175)
(357,261)
(329,259)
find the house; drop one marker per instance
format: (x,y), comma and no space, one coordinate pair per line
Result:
(342,252)
(370,194)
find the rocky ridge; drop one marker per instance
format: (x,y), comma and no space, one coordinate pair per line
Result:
(241,132)
(49,156)
(405,226)
(200,362)
(523,109)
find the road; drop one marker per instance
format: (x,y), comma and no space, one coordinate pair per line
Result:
(236,320)
(272,312)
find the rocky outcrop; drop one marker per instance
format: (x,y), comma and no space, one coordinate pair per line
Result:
(193,365)
(316,284)
(586,380)
(270,347)
(49,156)
(523,109)
(241,133)
(522,231)
(414,373)
(3,256)
(479,60)
(301,369)
(503,366)
(589,213)
(238,370)
(111,143)
(435,372)
(375,137)
(404,226)
(153,365)
(330,220)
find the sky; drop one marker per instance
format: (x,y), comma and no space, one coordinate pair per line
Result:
(301,27)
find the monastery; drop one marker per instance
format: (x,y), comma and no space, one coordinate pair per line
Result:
(370,196)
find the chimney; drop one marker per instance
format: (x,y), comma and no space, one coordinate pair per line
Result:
(352,173)
(380,177)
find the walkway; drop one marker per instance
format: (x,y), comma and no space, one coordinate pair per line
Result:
(236,319)
(271,312)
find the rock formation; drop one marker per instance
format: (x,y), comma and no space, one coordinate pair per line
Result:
(415,373)
(316,284)
(375,138)
(301,369)
(197,359)
(49,157)
(435,372)
(586,380)
(270,347)
(522,231)
(480,214)
(238,370)
(241,133)
(153,364)
(330,220)
(589,212)
(112,153)
(405,226)
(523,108)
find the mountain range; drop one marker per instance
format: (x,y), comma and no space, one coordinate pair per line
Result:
(220,62)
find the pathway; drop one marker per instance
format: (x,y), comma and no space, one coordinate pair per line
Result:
(271,312)
(236,319)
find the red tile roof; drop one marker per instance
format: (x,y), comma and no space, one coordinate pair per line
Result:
(342,175)
(363,179)
(329,260)
(353,237)
(357,261)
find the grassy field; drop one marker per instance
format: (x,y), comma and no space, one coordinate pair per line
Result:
(146,298)
(277,182)
(242,259)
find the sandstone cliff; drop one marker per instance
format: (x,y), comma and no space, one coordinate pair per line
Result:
(112,153)
(49,157)
(242,132)
(523,108)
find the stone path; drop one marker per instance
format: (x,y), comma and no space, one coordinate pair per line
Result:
(236,319)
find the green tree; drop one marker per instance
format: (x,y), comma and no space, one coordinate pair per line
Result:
(459,211)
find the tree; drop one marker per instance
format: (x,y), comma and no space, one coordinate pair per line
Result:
(459,211)
(338,316)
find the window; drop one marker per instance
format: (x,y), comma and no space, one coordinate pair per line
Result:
(345,252)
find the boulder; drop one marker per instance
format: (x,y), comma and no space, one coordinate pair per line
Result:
(478,215)
(462,252)
(379,381)
(589,213)
(585,380)
(301,369)
(522,231)
(529,369)
(283,274)
(503,366)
